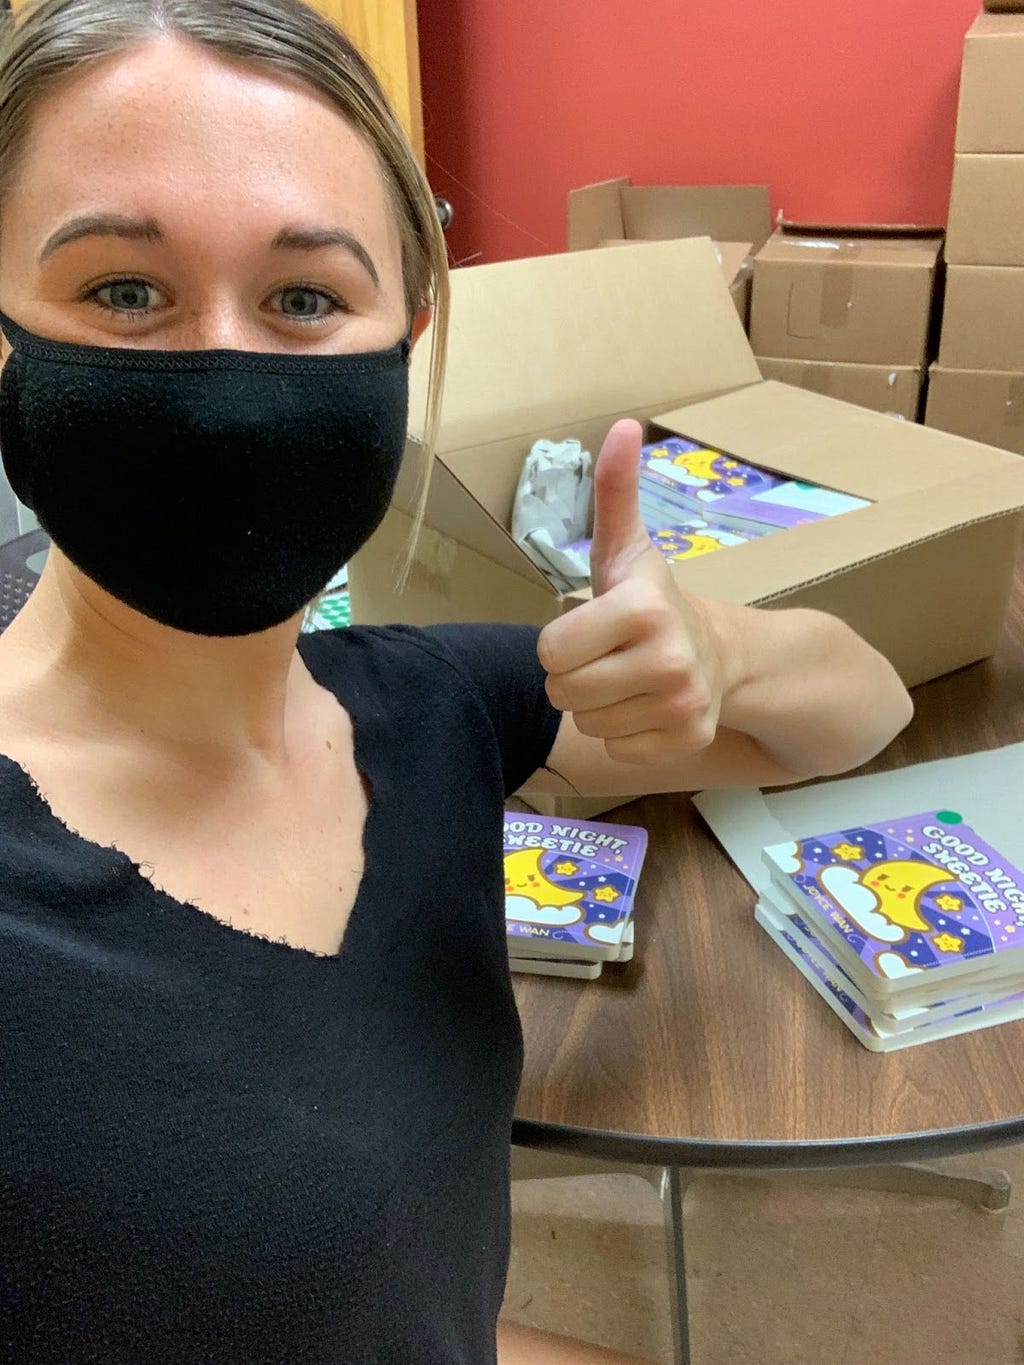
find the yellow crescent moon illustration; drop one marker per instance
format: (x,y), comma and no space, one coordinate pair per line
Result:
(899,885)
(524,877)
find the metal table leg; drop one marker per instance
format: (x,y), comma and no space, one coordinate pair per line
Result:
(672,1188)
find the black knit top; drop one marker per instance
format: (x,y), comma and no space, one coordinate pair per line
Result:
(220,1150)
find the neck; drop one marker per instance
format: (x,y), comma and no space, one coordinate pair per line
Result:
(113,675)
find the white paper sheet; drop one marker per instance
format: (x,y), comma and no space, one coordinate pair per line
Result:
(986,788)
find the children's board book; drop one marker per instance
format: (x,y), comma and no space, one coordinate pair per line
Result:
(569,887)
(899,1018)
(679,473)
(874,1031)
(915,910)
(558,966)
(687,539)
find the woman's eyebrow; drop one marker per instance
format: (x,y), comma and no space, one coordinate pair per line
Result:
(314,239)
(101,225)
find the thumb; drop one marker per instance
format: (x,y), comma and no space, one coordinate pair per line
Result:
(620,537)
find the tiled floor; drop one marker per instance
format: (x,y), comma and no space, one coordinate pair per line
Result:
(780,1273)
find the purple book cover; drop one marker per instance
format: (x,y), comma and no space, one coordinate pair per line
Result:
(833,985)
(753,512)
(862,1023)
(824,962)
(698,473)
(909,895)
(570,884)
(687,540)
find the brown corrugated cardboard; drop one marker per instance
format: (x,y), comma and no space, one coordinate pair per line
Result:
(859,295)
(562,346)
(614,212)
(617,209)
(991,117)
(984,405)
(983,319)
(986,210)
(895,390)
(736,267)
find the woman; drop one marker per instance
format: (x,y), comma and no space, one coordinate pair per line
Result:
(259,1046)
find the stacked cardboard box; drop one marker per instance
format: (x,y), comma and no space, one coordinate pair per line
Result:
(977,386)
(846,311)
(736,217)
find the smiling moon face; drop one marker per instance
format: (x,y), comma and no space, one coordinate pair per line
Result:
(700,463)
(524,877)
(899,885)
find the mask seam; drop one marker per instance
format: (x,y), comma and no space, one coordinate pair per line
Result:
(272,364)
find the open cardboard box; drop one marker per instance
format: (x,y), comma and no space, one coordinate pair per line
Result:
(561,346)
(736,217)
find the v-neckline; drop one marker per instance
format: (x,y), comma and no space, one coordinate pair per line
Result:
(123,867)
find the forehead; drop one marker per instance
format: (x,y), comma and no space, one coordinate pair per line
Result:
(172,130)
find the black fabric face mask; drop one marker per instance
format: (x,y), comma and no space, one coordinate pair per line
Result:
(214,491)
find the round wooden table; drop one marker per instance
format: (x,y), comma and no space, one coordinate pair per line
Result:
(710,1049)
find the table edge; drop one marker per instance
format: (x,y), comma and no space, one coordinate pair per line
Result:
(644,1150)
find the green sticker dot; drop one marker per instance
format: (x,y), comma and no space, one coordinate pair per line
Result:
(949,817)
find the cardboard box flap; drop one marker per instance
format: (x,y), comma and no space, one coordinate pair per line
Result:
(729,213)
(546,342)
(733,256)
(817,245)
(814,553)
(453,514)
(595,214)
(811,437)
(793,227)
(997,25)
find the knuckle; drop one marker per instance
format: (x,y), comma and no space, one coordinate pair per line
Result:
(557,693)
(680,708)
(635,749)
(678,665)
(547,650)
(594,724)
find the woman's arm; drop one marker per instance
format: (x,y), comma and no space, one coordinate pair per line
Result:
(803,697)
(666,692)
(528,1346)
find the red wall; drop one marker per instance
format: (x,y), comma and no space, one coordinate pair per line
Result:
(845,107)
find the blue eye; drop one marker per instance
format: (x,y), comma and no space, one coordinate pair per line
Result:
(128,296)
(303,303)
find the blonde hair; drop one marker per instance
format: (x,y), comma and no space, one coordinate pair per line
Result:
(49,41)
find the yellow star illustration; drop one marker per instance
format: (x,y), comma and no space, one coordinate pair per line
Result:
(848,852)
(948,902)
(736,480)
(566,869)
(606,893)
(948,943)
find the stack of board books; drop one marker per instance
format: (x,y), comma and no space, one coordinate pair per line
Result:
(695,499)
(682,480)
(911,929)
(569,893)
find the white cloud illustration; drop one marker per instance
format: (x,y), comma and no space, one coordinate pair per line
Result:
(893,965)
(605,933)
(787,857)
(678,473)
(860,903)
(529,912)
